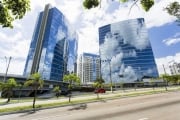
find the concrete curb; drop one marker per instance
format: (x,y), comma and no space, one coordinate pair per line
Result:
(91,101)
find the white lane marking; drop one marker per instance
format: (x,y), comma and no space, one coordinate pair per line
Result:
(143,119)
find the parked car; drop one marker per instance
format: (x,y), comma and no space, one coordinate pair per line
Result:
(100,90)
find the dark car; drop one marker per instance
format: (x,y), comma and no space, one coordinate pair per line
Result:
(100,90)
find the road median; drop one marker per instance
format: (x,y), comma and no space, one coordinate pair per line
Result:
(46,104)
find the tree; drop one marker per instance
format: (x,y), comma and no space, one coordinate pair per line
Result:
(90,3)
(178,81)
(20,86)
(99,83)
(7,88)
(36,83)
(161,77)
(174,9)
(11,10)
(152,83)
(146,4)
(122,85)
(72,79)
(57,91)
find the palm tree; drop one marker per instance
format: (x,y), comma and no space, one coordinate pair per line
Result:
(36,83)
(161,77)
(20,86)
(98,83)
(152,83)
(122,85)
(7,88)
(72,79)
(57,91)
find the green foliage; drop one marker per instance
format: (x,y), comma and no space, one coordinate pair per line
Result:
(174,79)
(99,83)
(147,4)
(11,83)
(7,88)
(88,4)
(11,10)
(72,79)
(56,89)
(35,81)
(123,1)
(174,9)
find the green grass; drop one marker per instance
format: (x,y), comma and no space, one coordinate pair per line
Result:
(58,104)
(15,109)
(40,106)
(16,100)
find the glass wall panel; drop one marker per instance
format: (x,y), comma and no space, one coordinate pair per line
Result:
(126,52)
(57,47)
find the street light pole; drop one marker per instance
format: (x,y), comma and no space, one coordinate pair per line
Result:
(7,67)
(109,61)
(163,78)
(110,77)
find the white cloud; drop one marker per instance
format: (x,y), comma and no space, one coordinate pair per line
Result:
(157,16)
(165,61)
(173,40)
(15,42)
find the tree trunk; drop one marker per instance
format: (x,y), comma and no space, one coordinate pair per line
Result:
(97,95)
(70,93)
(166,86)
(9,95)
(19,94)
(153,87)
(34,100)
(8,99)
(69,97)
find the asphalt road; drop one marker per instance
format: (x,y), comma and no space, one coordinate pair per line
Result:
(165,106)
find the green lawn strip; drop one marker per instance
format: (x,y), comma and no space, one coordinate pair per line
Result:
(133,94)
(58,104)
(16,101)
(15,109)
(47,105)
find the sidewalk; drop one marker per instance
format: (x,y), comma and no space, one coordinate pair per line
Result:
(108,94)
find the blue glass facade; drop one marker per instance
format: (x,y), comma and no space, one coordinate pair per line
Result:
(126,50)
(55,48)
(72,55)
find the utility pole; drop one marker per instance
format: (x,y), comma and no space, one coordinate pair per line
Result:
(7,67)
(164,69)
(110,77)
(163,78)
(174,68)
(109,61)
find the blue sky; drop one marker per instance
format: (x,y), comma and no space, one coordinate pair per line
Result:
(163,32)
(166,32)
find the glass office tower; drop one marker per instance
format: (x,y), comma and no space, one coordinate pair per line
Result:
(51,45)
(125,51)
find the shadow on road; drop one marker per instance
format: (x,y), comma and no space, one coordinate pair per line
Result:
(101,100)
(29,113)
(82,106)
